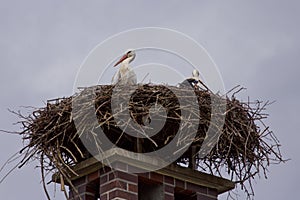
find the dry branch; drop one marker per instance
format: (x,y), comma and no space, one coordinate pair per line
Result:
(245,148)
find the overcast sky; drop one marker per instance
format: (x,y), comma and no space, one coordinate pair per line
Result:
(254,44)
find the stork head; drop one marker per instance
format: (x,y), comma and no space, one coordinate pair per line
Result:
(195,73)
(130,54)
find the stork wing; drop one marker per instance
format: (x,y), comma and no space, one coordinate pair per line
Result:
(132,77)
(116,77)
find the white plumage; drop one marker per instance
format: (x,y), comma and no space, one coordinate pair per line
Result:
(125,75)
(194,81)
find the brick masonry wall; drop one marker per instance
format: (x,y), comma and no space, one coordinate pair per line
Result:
(118,185)
(109,184)
(171,185)
(86,189)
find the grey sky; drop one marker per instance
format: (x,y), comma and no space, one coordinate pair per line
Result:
(255,44)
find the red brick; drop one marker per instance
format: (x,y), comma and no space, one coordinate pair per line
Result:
(126,176)
(167,197)
(133,188)
(103,179)
(212,192)
(104,196)
(111,175)
(93,176)
(104,170)
(80,181)
(81,189)
(122,194)
(179,184)
(145,175)
(86,189)
(169,180)
(112,185)
(169,189)
(84,197)
(156,177)
(89,197)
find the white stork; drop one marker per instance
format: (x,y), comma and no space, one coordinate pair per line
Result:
(125,75)
(194,81)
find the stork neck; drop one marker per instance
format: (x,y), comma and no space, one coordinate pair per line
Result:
(196,78)
(126,62)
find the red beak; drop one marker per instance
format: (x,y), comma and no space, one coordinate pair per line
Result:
(123,58)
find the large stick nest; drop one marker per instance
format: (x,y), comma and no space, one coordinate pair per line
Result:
(245,147)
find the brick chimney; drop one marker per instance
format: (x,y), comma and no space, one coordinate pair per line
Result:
(96,181)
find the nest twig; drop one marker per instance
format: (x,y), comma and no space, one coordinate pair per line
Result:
(245,148)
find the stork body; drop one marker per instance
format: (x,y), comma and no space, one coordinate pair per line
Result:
(125,75)
(194,81)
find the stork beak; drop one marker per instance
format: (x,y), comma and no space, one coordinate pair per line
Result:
(123,58)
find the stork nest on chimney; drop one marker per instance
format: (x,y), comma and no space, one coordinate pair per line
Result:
(242,146)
